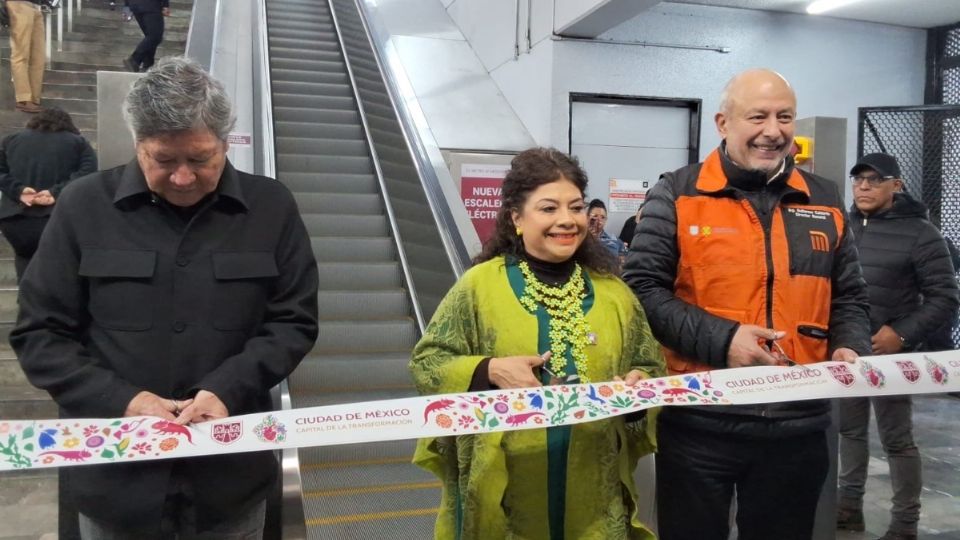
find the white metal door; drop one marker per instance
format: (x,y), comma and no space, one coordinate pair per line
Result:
(627,141)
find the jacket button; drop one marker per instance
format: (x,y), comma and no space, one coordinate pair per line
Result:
(179,326)
(182,261)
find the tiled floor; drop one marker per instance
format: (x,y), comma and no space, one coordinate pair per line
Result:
(28,500)
(936,422)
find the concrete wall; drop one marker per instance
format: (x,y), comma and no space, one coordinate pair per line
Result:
(463,106)
(834,65)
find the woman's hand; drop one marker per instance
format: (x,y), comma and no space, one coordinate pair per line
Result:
(515,371)
(632,378)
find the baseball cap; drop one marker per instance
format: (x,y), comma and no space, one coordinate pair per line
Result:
(885,165)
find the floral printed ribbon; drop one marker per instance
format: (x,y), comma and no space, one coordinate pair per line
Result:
(31,444)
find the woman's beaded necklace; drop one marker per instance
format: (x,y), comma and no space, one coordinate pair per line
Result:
(568,327)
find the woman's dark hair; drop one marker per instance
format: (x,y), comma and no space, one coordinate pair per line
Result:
(52,119)
(596,203)
(529,170)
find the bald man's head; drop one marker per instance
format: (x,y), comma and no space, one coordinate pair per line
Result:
(756,119)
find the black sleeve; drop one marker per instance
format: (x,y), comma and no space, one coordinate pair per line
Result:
(86,164)
(849,304)
(954,253)
(10,186)
(936,280)
(651,270)
(628,230)
(481,377)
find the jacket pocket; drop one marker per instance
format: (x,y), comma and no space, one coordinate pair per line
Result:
(811,343)
(244,281)
(812,240)
(120,287)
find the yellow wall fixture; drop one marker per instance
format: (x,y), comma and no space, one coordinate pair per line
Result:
(803,149)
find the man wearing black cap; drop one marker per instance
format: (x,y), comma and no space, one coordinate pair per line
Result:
(913,289)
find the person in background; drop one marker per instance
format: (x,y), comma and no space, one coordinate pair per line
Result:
(35,165)
(28,53)
(597,215)
(913,291)
(541,305)
(745,260)
(177,287)
(149,15)
(630,227)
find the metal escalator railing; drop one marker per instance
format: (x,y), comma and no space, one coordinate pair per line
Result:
(415,171)
(342,154)
(379,167)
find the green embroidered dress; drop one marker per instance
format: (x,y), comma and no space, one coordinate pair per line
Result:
(506,485)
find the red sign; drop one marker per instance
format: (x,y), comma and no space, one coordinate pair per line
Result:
(480,191)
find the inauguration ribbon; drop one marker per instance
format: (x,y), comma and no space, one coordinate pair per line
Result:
(31,444)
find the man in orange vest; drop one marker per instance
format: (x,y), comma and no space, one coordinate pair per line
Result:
(744,260)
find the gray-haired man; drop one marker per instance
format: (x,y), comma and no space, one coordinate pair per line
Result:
(174,286)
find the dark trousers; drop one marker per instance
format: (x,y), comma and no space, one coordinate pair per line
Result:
(777,484)
(895,426)
(23,234)
(151,24)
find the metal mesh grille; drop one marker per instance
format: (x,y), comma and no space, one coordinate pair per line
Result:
(926,142)
(951,86)
(952,46)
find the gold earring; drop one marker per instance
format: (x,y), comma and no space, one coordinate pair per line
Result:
(519,231)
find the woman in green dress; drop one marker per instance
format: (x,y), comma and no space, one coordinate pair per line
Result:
(541,305)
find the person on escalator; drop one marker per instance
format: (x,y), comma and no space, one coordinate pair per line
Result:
(177,287)
(541,305)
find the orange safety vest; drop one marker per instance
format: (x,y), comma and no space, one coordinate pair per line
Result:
(732,268)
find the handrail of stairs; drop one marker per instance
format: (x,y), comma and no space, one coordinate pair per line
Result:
(453,223)
(292,519)
(388,204)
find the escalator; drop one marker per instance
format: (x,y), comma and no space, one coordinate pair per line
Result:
(371,318)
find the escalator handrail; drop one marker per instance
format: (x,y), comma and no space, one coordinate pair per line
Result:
(391,216)
(420,151)
(263,96)
(292,516)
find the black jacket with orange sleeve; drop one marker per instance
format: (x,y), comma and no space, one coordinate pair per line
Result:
(722,246)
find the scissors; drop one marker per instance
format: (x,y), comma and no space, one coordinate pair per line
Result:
(556,379)
(775,347)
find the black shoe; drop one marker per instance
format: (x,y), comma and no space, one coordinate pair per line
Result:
(849,520)
(898,536)
(130,65)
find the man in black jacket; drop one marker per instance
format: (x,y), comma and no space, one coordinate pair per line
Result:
(149,15)
(744,260)
(175,287)
(913,291)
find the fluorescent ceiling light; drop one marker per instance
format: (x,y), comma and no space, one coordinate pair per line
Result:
(820,6)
